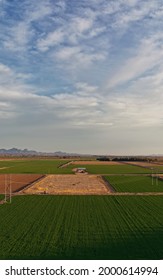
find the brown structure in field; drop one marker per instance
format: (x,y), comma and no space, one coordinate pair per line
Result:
(81,170)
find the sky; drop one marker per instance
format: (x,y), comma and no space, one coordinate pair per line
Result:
(82,76)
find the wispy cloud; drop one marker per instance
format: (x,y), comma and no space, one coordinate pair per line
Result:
(52,39)
(148,54)
(18,38)
(93,66)
(136,12)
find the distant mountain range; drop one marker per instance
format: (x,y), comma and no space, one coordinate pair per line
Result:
(13,152)
(26,152)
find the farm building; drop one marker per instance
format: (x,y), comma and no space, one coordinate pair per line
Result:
(81,170)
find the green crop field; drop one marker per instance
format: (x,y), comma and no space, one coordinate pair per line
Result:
(114,169)
(34,166)
(46,166)
(157,169)
(82,227)
(135,183)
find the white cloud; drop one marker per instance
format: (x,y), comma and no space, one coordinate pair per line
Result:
(96,31)
(70,31)
(52,39)
(8,76)
(76,57)
(114,7)
(157,13)
(85,107)
(67,53)
(81,25)
(38,10)
(137,11)
(18,37)
(4,69)
(84,88)
(18,34)
(148,55)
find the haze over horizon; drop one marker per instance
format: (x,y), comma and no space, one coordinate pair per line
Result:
(82,76)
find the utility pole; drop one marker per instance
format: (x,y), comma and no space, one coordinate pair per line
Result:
(152,176)
(8,188)
(156,179)
(5,188)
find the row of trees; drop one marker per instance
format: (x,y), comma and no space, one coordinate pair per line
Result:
(128,158)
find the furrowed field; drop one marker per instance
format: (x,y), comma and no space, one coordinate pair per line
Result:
(82,227)
(135,183)
(33,166)
(18,181)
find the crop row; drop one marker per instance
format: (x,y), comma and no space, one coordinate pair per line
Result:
(82,227)
(135,183)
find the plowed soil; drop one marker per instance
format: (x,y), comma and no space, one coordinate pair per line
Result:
(143,164)
(80,184)
(18,181)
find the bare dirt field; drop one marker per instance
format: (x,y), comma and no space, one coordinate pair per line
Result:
(95,162)
(18,181)
(158,163)
(143,164)
(80,184)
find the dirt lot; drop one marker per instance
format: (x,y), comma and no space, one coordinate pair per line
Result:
(18,181)
(95,162)
(80,184)
(143,164)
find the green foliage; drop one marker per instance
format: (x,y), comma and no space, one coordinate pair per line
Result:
(114,169)
(135,183)
(1,197)
(34,166)
(157,169)
(82,227)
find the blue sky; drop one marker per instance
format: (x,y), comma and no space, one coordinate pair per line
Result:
(82,76)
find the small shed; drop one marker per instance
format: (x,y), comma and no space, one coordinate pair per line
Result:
(81,170)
